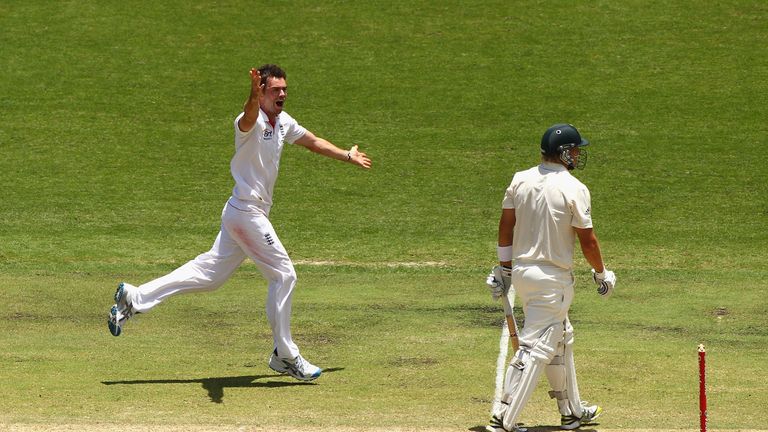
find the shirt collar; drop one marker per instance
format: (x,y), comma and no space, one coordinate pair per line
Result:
(552,166)
(265,117)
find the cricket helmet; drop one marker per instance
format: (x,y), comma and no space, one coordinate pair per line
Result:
(559,139)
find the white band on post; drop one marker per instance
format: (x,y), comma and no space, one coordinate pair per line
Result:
(504,253)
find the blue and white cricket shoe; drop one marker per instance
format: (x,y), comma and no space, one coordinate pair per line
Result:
(122,310)
(298,367)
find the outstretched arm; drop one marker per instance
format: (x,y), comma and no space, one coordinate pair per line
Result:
(326,148)
(251,107)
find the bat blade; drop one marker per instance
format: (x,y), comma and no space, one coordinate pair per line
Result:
(511,323)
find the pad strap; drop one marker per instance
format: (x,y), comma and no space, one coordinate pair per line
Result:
(559,395)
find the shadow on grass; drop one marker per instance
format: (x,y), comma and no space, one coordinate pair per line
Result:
(533,429)
(215,386)
(555,428)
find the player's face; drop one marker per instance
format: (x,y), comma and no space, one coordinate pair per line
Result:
(575,152)
(579,157)
(274,96)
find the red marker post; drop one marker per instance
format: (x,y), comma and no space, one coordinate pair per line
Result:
(702,388)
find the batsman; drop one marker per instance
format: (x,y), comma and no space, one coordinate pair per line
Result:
(544,210)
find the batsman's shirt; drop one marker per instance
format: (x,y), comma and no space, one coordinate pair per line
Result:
(549,202)
(256,161)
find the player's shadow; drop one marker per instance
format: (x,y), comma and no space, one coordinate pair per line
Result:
(535,428)
(215,386)
(555,428)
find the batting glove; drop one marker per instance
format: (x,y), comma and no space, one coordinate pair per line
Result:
(499,281)
(605,281)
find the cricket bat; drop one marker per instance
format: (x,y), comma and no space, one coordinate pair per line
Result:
(511,323)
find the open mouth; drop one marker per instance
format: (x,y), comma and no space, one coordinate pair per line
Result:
(280,103)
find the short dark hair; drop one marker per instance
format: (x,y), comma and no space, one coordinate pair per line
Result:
(270,70)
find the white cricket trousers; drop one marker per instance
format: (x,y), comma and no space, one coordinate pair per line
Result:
(546,293)
(244,233)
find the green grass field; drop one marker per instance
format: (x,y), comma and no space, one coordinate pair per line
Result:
(115,140)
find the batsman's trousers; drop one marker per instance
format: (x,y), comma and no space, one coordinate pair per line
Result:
(245,232)
(546,293)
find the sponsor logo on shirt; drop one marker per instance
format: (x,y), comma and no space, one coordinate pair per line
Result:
(267,134)
(269,239)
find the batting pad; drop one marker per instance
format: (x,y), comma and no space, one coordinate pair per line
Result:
(561,374)
(524,372)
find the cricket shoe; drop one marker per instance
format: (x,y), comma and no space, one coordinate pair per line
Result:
(298,367)
(122,310)
(588,415)
(497,425)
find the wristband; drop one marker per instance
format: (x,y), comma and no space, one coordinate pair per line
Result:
(349,156)
(504,253)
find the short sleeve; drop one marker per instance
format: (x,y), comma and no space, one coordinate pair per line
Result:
(509,195)
(293,130)
(581,208)
(240,133)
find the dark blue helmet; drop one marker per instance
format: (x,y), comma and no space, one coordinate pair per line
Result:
(559,139)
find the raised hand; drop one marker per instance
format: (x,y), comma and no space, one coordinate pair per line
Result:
(257,88)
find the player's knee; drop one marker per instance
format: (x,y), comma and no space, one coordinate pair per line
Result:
(287,277)
(280,272)
(545,347)
(291,280)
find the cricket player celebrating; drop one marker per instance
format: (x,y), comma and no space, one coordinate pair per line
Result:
(544,210)
(261,131)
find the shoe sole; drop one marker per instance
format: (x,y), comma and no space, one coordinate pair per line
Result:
(114,328)
(298,377)
(306,378)
(578,423)
(575,424)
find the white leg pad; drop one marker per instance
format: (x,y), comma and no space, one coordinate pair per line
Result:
(524,372)
(557,380)
(561,374)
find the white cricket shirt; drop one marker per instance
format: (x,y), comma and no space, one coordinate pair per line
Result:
(549,202)
(256,161)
